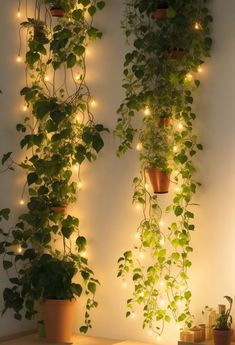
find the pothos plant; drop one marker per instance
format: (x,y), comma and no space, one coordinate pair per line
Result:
(59,134)
(161,73)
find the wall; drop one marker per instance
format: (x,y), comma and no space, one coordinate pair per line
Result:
(107,216)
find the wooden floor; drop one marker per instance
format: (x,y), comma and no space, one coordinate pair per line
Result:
(33,339)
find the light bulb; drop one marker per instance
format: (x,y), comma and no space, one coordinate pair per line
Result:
(142,294)
(84,254)
(162,302)
(175,149)
(88,52)
(199,69)
(189,77)
(80,185)
(137,235)
(75,167)
(141,255)
(18,14)
(161,223)
(180,126)
(177,189)
(146,111)
(182,288)
(162,242)
(77,77)
(162,283)
(197,26)
(179,304)
(25,108)
(146,186)
(21,202)
(150,332)
(47,78)
(18,59)
(138,207)
(139,147)
(19,249)
(93,103)
(133,315)
(124,284)
(177,327)
(78,118)
(159,339)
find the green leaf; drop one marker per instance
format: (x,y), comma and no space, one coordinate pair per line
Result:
(91,287)
(32,178)
(81,242)
(77,289)
(92,10)
(7,264)
(83,329)
(100,5)
(178,211)
(5,157)
(71,60)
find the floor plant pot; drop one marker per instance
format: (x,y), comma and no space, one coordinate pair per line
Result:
(58,318)
(222,337)
(160,180)
(160,14)
(59,209)
(58,12)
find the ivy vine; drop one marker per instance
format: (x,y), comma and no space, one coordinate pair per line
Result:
(59,135)
(170,41)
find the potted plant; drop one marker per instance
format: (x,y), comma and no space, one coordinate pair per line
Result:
(39,31)
(161,10)
(175,53)
(222,332)
(57,9)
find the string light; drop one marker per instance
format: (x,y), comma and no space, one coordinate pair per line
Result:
(197,26)
(159,339)
(146,111)
(162,242)
(84,254)
(141,255)
(25,108)
(19,249)
(179,304)
(189,77)
(146,186)
(177,327)
(177,189)
(139,147)
(80,185)
(133,315)
(47,78)
(18,59)
(142,294)
(22,202)
(137,235)
(161,223)
(162,283)
(138,207)
(18,14)
(124,285)
(199,69)
(77,77)
(78,118)
(75,167)
(150,332)
(93,103)
(162,302)
(175,149)
(180,126)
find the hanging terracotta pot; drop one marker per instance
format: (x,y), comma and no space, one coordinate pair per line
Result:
(164,122)
(58,318)
(222,337)
(176,53)
(57,12)
(160,180)
(160,14)
(59,209)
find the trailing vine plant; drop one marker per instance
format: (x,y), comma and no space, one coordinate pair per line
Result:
(169,43)
(45,249)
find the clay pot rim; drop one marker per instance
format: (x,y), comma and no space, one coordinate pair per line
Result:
(223,330)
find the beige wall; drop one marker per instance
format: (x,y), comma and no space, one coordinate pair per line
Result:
(105,209)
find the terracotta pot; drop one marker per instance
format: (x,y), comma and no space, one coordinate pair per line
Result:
(160,180)
(59,209)
(164,122)
(160,14)
(58,318)
(57,12)
(174,54)
(222,337)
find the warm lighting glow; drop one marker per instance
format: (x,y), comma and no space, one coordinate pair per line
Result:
(18,14)
(141,255)
(93,103)
(162,241)
(146,186)
(124,284)
(47,78)
(133,315)
(179,304)
(80,185)
(175,149)
(162,302)
(88,52)
(137,235)
(146,111)
(76,168)
(78,118)
(25,108)
(177,189)
(197,26)
(18,59)
(177,327)
(19,249)
(189,77)
(139,147)
(161,223)
(180,126)
(150,332)
(21,202)
(77,77)
(159,339)
(84,254)
(199,69)
(142,294)
(162,283)
(138,207)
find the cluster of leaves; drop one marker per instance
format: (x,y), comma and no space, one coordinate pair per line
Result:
(60,134)
(224,321)
(160,76)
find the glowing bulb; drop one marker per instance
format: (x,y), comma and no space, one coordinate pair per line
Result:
(21,202)
(161,223)
(175,149)
(75,167)
(180,126)
(162,242)
(84,254)
(177,189)
(182,288)
(139,147)
(162,302)
(80,185)
(19,250)
(141,255)
(199,69)
(189,77)
(47,78)
(197,26)
(146,111)
(124,284)
(146,186)
(142,294)
(162,283)
(25,108)
(177,327)
(179,304)
(18,59)
(18,14)
(150,332)
(137,235)
(133,315)
(78,118)
(77,77)
(159,339)
(93,103)
(88,52)
(138,207)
